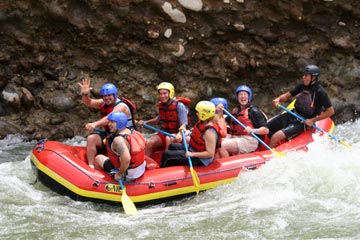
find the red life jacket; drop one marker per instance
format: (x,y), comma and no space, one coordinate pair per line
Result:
(107,109)
(223,127)
(197,142)
(243,117)
(137,145)
(132,106)
(168,115)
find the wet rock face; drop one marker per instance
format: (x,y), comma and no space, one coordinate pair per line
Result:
(206,48)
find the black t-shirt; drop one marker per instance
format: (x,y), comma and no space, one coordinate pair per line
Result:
(320,97)
(257,117)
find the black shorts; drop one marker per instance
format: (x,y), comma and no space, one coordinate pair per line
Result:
(176,157)
(108,166)
(286,123)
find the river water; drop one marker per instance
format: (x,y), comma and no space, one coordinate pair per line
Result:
(313,195)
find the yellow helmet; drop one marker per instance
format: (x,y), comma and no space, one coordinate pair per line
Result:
(167,86)
(206,110)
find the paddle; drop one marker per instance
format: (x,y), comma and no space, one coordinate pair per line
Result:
(277,154)
(98,130)
(128,205)
(158,130)
(291,106)
(195,178)
(316,127)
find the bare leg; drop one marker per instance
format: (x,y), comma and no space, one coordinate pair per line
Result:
(151,144)
(93,141)
(168,141)
(229,147)
(222,153)
(276,138)
(99,161)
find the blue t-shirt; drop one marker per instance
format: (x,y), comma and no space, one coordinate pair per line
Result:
(182,111)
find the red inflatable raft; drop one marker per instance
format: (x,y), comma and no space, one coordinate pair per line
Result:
(63,168)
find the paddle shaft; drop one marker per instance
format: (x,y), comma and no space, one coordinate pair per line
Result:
(158,130)
(314,126)
(186,147)
(99,130)
(121,184)
(242,125)
(195,177)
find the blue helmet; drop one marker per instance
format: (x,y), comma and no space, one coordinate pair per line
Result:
(243,88)
(108,89)
(120,118)
(219,100)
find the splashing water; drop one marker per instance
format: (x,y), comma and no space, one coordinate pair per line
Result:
(305,195)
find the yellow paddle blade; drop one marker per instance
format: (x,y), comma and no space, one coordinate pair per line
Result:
(291,106)
(278,154)
(128,204)
(345,144)
(196,180)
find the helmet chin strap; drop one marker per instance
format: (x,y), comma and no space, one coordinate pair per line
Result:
(313,80)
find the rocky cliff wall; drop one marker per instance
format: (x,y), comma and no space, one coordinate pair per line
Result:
(206,48)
